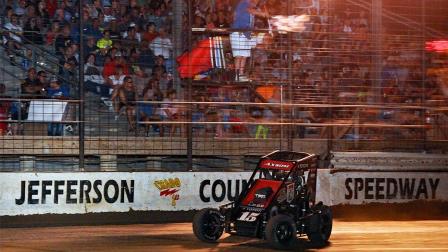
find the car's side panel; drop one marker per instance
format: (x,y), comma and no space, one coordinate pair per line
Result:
(251,198)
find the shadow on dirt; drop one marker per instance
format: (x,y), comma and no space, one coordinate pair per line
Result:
(227,243)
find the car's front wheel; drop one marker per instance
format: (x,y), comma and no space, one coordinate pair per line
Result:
(207,225)
(281,231)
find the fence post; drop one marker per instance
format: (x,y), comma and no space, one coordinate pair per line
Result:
(377,33)
(178,28)
(81,114)
(423,69)
(189,97)
(290,128)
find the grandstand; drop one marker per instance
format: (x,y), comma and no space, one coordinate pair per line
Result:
(152,85)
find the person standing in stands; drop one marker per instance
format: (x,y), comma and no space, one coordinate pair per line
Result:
(127,98)
(241,40)
(57,91)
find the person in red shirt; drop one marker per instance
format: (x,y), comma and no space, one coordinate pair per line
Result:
(150,33)
(110,65)
(52,5)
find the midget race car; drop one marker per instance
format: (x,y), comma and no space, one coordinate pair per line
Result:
(278,204)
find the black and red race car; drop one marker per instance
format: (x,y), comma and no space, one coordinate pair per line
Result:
(278,204)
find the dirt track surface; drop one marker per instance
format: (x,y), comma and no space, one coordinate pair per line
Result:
(347,236)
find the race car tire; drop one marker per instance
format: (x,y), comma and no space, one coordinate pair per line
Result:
(207,225)
(281,232)
(320,225)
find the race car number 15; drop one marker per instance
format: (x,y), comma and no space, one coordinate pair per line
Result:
(248,216)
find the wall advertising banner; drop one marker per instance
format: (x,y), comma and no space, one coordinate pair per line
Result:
(95,192)
(356,188)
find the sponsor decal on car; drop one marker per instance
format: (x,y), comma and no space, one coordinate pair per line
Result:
(276,165)
(169,188)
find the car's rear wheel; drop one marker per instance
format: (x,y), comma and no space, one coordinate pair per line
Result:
(320,225)
(281,231)
(207,225)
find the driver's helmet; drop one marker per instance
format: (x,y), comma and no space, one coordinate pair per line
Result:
(280,175)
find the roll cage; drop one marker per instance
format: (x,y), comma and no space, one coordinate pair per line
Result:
(281,167)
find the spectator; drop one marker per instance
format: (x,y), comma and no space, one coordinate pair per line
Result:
(164,79)
(169,111)
(150,33)
(51,5)
(94,81)
(33,34)
(42,78)
(59,16)
(12,38)
(114,31)
(136,17)
(131,37)
(52,34)
(148,111)
(209,24)
(63,40)
(75,50)
(8,12)
(135,64)
(69,10)
(94,30)
(31,85)
(238,116)
(162,45)
(222,20)
(199,22)
(117,79)
(43,14)
(110,67)
(67,66)
(20,10)
(56,91)
(156,18)
(105,42)
(95,9)
(127,97)
(90,46)
(147,57)
(159,63)
(241,41)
